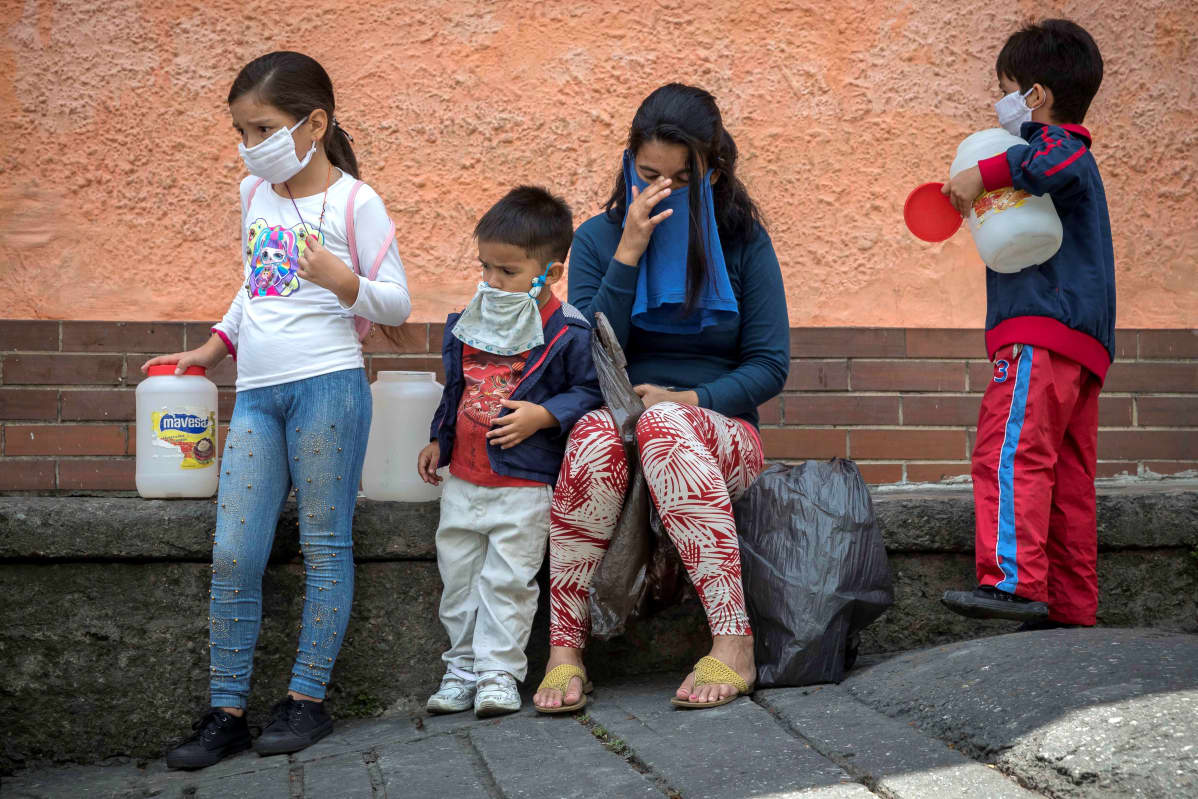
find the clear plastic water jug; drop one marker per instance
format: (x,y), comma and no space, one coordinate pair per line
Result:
(404,404)
(177,437)
(1011,228)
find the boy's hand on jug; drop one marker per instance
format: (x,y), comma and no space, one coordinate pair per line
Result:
(965,187)
(525,419)
(426,464)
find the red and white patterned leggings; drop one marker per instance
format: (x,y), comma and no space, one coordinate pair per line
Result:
(696,462)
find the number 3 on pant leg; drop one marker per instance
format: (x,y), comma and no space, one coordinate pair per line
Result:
(1002,365)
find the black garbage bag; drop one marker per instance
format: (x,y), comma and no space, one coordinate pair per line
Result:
(814,568)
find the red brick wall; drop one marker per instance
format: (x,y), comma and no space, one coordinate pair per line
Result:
(902,403)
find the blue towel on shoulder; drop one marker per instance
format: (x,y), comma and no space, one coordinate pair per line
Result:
(661,279)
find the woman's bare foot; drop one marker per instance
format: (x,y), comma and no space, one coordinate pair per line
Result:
(551,697)
(737,652)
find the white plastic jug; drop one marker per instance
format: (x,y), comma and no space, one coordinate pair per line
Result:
(177,438)
(1011,228)
(404,404)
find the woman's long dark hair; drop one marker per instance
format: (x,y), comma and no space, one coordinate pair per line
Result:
(687,115)
(297,84)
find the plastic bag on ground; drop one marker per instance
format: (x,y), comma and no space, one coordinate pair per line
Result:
(814,568)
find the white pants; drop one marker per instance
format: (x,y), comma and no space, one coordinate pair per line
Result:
(490,545)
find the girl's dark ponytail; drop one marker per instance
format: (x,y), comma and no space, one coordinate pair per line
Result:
(298,84)
(339,148)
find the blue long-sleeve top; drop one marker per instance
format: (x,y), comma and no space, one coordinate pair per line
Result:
(1067,303)
(733,367)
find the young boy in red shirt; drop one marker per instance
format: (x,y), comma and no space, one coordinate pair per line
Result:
(518,375)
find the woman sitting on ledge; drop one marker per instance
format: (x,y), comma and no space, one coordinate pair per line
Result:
(684,270)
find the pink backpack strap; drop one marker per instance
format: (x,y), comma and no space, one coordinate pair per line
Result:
(360,324)
(378,259)
(350,238)
(250,197)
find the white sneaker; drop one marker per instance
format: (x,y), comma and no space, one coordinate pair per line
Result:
(496,695)
(455,694)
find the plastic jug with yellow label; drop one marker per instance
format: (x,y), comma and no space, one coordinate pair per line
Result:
(1011,228)
(176,434)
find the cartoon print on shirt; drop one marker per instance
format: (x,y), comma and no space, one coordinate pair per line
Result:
(273,253)
(489,379)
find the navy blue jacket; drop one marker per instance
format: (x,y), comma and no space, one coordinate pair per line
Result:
(1067,303)
(559,376)
(735,366)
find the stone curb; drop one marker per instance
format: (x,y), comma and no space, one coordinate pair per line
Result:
(1159,514)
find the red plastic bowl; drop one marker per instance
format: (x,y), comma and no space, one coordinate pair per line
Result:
(929,214)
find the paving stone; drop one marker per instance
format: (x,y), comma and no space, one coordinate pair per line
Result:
(344,776)
(458,722)
(274,783)
(156,773)
(903,762)
(358,736)
(730,752)
(847,790)
(76,781)
(523,755)
(1072,713)
(442,765)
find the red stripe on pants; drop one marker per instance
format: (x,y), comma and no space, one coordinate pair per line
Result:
(696,463)
(1051,482)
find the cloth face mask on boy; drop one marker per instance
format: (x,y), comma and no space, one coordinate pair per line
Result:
(503,322)
(273,159)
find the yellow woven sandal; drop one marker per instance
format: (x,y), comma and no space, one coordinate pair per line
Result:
(559,678)
(709,671)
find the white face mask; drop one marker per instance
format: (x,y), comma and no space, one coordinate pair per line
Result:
(273,159)
(1013,111)
(502,322)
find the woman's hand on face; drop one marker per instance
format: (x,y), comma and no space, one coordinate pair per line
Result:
(651,395)
(640,223)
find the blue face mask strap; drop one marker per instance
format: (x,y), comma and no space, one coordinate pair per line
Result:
(539,282)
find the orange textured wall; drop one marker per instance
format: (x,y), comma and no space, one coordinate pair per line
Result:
(118,168)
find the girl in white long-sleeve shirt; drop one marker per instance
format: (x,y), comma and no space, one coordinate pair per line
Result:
(320,265)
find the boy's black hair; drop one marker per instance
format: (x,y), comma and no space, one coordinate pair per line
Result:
(1060,55)
(531,218)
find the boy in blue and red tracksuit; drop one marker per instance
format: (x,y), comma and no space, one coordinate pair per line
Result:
(1050,331)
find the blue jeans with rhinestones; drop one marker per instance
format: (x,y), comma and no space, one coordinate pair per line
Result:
(310,434)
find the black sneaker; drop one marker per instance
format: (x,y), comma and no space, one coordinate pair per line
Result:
(217,735)
(988,602)
(294,725)
(1044,624)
